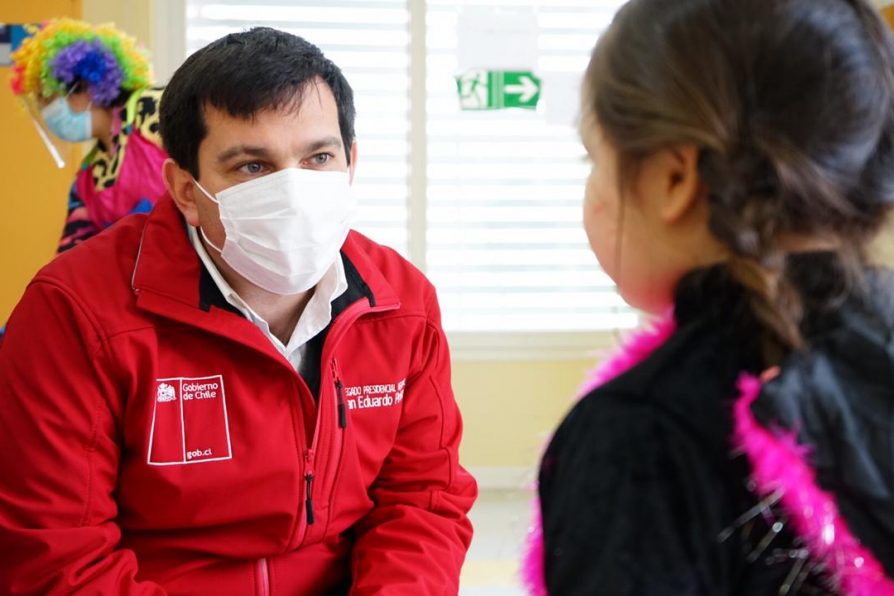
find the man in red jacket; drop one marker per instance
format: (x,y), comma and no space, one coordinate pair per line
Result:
(234,394)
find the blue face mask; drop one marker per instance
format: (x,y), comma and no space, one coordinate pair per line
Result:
(67,124)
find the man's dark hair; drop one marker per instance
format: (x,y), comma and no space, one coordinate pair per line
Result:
(242,74)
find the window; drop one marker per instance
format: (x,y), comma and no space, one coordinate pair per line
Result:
(487,203)
(505,244)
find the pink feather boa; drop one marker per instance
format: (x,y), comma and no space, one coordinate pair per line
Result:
(635,348)
(778,464)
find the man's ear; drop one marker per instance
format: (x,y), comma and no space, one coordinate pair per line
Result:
(182,189)
(353,167)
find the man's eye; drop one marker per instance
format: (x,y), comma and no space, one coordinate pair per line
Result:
(251,168)
(321,158)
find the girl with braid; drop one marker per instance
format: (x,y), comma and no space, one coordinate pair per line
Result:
(743,159)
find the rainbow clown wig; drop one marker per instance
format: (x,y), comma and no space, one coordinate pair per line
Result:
(62,53)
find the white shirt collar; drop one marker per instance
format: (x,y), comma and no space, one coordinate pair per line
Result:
(316,316)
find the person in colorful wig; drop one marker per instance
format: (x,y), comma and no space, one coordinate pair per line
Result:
(92,82)
(743,160)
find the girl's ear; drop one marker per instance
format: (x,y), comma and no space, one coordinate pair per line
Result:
(672,181)
(682,181)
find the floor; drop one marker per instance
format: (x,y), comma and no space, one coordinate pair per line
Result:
(501,519)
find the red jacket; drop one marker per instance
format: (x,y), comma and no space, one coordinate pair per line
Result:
(154,441)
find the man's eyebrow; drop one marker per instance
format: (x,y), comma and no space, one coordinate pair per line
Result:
(262,152)
(324,143)
(237,150)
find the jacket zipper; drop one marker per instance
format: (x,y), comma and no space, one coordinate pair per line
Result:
(310,474)
(308,490)
(262,578)
(308,477)
(353,312)
(308,501)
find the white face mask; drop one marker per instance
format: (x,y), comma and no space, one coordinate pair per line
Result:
(284,230)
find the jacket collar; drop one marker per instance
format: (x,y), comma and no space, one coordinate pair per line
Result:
(170,280)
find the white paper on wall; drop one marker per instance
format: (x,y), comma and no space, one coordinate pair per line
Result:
(497,39)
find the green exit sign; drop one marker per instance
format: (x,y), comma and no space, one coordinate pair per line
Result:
(498,89)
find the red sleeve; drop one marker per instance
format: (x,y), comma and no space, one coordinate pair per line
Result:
(59,454)
(415,539)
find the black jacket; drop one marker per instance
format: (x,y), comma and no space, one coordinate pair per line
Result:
(640,488)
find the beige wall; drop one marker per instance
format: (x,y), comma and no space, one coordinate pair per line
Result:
(133,16)
(510,408)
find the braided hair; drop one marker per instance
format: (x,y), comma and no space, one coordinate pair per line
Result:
(791,103)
